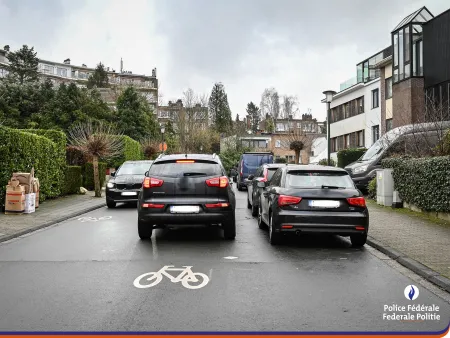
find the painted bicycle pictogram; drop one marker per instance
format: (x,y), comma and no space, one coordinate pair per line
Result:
(93,219)
(187,277)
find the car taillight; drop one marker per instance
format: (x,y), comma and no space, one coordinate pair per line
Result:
(150,182)
(219,182)
(185,161)
(357,201)
(217,205)
(266,173)
(242,166)
(288,200)
(153,206)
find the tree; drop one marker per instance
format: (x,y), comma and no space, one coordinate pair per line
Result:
(99,78)
(270,126)
(96,141)
(219,109)
(298,141)
(254,115)
(270,104)
(289,107)
(23,65)
(134,116)
(297,147)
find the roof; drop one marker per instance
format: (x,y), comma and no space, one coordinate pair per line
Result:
(312,167)
(422,15)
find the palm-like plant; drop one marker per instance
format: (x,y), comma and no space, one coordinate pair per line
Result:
(297,147)
(96,141)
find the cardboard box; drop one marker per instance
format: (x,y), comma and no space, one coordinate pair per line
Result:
(36,189)
(15,200)
(30,203)
(25,179)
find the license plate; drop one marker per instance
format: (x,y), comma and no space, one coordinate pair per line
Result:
(185,209)
(129,193)
(324,204)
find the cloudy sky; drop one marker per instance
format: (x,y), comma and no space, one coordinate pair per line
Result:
(299,47)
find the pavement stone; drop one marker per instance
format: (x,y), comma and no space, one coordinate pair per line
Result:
(416,243)
(49,213)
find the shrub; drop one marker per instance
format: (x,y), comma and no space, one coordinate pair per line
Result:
(372,189)
(325,162)
(20,151)
(88,175)
(347,156)
(423,182)
(73,180)
(132,151)
(281,160)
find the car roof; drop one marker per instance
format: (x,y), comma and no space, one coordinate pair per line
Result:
(257,153)
(139,161)
(312,167)
(274,165)
(173,157)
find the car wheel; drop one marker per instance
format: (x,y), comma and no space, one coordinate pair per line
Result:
(261,223)
(239,187)
(358,241)
(229,228)
(254,209)
(249,206)
(110,204)
(274,237)
(145,229)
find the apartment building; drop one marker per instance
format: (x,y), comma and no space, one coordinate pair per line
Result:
(183,117)
(307,124)
(65,72)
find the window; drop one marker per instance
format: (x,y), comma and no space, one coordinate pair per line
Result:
(401,65)
(280,126)
(360,138)
(278,144)
(347,141)
(46,69)
(375,98)
(388,124)
(388,89)
(375,133)
(313,179)
(396,50)
(173,169)
(61,71)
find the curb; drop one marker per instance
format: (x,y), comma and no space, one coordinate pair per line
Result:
(420,269)
(45,225)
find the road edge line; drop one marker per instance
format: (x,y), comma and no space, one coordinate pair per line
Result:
(429,274)
(48,224)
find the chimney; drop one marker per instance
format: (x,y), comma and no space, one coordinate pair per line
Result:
(67,61)
(83,65)
(154,72)
(121,65)
(107,69)
(6,48)
(291,117)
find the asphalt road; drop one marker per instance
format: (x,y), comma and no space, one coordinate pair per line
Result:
(79,276)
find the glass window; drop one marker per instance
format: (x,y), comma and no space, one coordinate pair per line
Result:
(361,138)
(420,55)
(395,75)
(317,179)
(360,105)
(271,172)
(407,45)
(137,168)
(375,98)
(414,57)
(401,63)
(278,144)
(375,133)
(396,49)
(388,124)
(359,73)
(388,88)
(173,169)
(366,71)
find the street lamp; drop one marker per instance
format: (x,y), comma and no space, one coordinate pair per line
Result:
(328,98)
(162,133)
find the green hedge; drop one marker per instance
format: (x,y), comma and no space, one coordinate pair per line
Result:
(324,161)
(73,180)
(20,151)
(347,156)
(372,189)
(88,175)
(132,151)
(60,139)
(423,182)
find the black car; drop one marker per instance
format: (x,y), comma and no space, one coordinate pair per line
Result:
(313,199)
(263,174)
(184,190)
(126,182)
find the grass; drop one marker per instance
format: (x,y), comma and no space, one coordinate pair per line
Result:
(410,213)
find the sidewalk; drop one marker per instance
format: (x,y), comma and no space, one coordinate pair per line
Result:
(49,212)
(413,240)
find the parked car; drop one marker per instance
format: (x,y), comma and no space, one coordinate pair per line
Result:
(313,199)
(402,140)
(249,162)
(263,174)
(184,190)
(126,182)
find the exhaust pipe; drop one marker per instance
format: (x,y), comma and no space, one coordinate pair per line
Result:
(297,232)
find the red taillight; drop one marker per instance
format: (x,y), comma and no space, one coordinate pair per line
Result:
(357,201)
(150,182)
(288,200)
(219,182)
(242,166)
(360,228)
(153,206)
(217,205)
(287,226)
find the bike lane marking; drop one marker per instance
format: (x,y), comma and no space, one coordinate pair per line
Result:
(93,219)
(186,276)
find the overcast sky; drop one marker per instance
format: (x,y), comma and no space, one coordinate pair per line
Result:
(299,47)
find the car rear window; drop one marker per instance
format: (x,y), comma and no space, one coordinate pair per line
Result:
(136,168)
(317,179)
(271,172)
(174,169)
(256,160)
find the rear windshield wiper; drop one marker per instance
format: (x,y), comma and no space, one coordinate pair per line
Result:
(194,174)
(331,187)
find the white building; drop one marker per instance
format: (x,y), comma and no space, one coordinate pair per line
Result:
(356,108)
(318,150)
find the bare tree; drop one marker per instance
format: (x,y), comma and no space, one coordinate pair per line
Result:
(298,140)
(289,107)
(96,141)
(270,104)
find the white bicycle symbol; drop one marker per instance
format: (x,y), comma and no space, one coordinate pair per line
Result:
(186,277)
(93,219)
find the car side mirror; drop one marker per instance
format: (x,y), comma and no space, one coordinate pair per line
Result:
(250,177)
(262,184)
(113,174)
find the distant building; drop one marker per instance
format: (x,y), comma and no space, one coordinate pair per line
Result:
(179,115)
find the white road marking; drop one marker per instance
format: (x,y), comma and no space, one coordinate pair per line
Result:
(186,277)
(155,248)
(93,219)
(230,257)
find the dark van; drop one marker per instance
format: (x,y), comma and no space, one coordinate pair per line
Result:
(417,139)
(249,163)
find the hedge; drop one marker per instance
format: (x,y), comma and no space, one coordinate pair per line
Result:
(372,189)
(132,151)
(73,180)
(88,175)
(20,151)
(60,139)
(423,182)
(324,161)
(347,156)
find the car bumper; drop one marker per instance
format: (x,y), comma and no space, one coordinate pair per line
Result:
(339,223)
(117,195)
(203,218)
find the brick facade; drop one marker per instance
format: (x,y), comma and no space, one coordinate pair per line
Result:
(408,101)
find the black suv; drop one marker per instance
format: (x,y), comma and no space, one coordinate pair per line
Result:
(184,190)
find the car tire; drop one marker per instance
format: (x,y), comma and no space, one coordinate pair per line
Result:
(358,241)
(249,206)
(145,229)
(274,237)
(239,187)
(111,204)
(229,228)
(261,223)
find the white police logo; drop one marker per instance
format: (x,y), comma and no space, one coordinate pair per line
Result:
(411,292)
